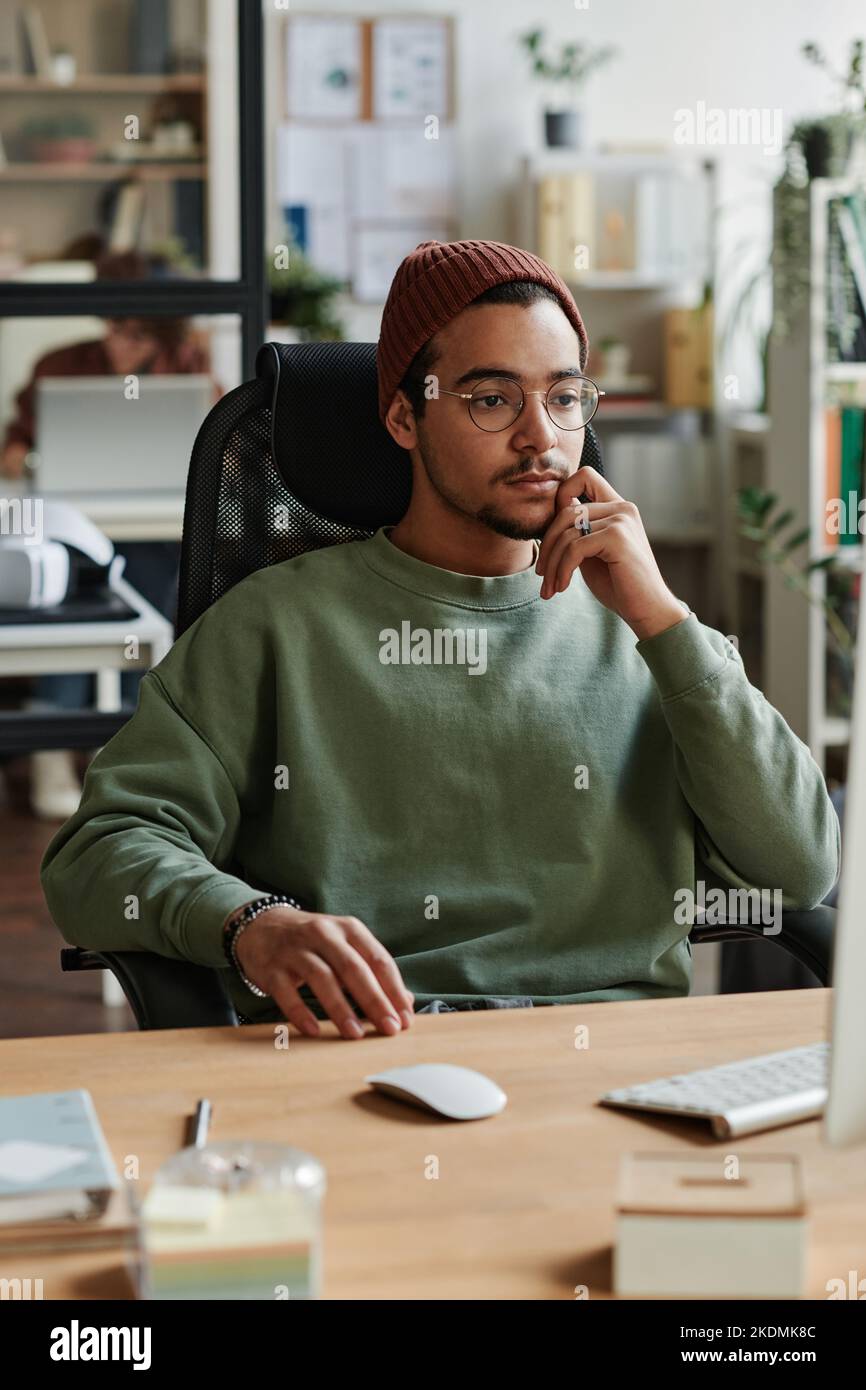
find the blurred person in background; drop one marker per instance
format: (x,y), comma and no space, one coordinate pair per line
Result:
(131,345)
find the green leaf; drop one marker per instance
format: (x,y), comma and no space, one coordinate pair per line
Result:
(780,521)
(793,541)
(767,502)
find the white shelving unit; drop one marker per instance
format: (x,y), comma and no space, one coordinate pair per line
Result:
(800,376)
(630,305)
(744,436)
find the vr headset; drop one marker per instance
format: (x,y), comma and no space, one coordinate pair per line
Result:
(49,552)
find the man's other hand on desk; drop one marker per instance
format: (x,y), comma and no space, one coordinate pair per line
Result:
(283,948)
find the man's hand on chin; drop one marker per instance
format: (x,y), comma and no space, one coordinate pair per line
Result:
(615,559)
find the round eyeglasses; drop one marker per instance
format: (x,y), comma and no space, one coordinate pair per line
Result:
(496,402)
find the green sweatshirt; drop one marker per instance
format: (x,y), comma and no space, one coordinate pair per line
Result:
(509,792)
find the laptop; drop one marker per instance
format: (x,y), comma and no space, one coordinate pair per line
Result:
(91,439)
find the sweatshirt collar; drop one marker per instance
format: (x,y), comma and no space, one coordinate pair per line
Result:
(469,590)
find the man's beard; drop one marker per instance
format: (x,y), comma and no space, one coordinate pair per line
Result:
(488,516)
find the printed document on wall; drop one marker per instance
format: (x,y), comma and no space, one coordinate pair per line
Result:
(311,173)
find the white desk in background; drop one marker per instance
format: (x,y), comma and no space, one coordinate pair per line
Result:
(31,649)
(28,649)
(132,516)
(149,515)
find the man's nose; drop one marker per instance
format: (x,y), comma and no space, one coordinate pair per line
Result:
(534,428)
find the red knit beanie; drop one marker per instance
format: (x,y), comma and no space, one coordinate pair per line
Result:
(438,279)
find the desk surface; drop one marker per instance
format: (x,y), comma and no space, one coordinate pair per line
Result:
(523,1205)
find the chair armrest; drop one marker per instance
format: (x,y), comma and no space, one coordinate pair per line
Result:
(806,935)
(163,993)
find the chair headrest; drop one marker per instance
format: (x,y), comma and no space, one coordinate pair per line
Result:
(327,441)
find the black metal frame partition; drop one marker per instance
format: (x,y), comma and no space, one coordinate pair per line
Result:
(23,731)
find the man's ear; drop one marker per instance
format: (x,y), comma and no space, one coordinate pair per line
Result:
(400,421)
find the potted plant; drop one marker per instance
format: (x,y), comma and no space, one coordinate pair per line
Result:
(755,509)
(303,298)
(832,139)
(567,72)
(829,146)
(59,139)
(614,359)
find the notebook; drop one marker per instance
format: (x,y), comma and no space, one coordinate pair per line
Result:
(54,1162)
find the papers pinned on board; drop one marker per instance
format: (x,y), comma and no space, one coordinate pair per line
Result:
(367,192)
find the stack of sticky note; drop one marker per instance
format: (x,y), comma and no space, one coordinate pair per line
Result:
(252,1243)
(720,1225)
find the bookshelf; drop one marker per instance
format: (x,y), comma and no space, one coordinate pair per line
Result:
(803,383)
(646,221)
(183,97)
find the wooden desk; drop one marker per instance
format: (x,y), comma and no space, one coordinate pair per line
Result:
(523,1205)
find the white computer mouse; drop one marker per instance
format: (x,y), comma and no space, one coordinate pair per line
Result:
(459,1093)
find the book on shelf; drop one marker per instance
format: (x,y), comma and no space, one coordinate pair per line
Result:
(10,45)
(844,474)
(850,227)
(651,224)
(846,262)
(844,591)
(37,54)
(127,217)
(832,471)
(566,221)
(851,472)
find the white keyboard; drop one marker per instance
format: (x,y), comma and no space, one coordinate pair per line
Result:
(777,1088)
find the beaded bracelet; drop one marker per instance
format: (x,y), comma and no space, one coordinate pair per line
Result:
(240,920)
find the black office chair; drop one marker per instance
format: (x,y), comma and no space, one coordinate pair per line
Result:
(292,461)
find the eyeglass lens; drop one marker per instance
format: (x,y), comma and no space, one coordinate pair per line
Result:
(496,402)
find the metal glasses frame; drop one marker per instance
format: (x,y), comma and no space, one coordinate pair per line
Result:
(467,396)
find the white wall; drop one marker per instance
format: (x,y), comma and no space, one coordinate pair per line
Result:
(673,54)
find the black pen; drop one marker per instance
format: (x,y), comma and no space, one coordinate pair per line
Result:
(197,1125)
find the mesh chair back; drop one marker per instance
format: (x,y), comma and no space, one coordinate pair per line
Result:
(292,461)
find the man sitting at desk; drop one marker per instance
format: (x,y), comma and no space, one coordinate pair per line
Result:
(485,773)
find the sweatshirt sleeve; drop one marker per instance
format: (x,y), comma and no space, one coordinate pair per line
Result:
(765,817)
(143,862)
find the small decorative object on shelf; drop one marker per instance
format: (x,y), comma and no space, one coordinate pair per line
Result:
(63,67)
(59,138)
(615,356)
(689,355)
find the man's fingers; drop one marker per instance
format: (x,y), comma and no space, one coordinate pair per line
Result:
(317,973)
(380,961)
(352,970)
(564,520)
(588,480)
(287,998)
(330,955)
(571,551)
